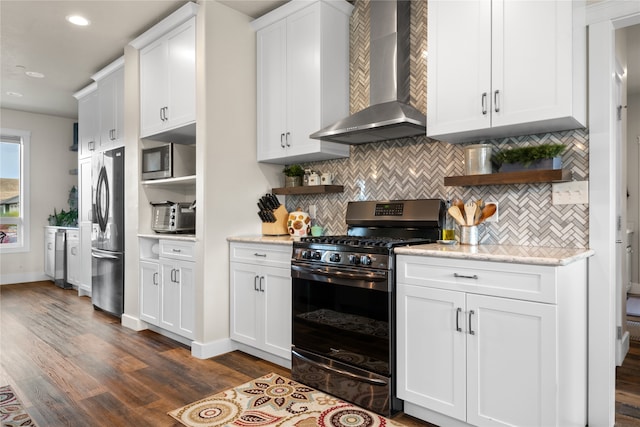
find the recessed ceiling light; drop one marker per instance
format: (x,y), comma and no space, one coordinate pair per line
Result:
(78,20)
(15,94)
(34,74)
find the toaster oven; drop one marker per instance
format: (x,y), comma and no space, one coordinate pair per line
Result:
(170,217)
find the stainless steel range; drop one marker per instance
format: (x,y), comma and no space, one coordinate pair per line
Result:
(344,303)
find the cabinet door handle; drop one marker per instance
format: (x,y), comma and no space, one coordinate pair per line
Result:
(260,255)
(255,283)
(161,116)
(91,145)
(155,279)
(287,139)
(261,280)
(484,103)
(166,111)
(495,101)
(282,140)
(471,331)
(462,276)
(74,251)
(458,311)
(49,245)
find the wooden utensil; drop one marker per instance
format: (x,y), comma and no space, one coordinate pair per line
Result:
(479,206)
(454,211)
(470,212)
(487,212)
(459,203)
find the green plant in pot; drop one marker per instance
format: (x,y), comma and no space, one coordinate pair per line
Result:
(544,156)
(293,175)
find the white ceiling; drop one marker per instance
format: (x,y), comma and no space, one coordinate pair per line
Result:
(34,36)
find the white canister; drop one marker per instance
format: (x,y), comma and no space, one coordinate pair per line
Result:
(477,159)
(299,224)
(314,178)
(326,178)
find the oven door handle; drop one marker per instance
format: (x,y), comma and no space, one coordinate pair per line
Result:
(362,378)
(342,273)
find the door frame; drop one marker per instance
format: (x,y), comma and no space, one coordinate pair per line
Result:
(603,18)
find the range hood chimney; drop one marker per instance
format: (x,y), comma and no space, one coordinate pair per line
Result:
(389,115)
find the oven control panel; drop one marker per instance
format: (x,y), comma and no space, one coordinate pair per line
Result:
(354,259)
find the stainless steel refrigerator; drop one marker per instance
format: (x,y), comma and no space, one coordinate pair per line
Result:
(107,236)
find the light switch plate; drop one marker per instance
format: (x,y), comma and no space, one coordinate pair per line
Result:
(570,193)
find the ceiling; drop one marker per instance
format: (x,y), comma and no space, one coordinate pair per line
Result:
(34,36)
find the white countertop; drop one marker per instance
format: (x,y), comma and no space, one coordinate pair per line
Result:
(170,236)
(278,240)
(501,253)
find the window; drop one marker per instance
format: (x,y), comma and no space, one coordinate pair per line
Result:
(14,190)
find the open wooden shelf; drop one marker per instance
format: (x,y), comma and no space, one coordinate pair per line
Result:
(502,178)
(309,189)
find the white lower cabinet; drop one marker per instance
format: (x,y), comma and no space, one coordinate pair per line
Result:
(167,285)
(260,277)
(50,252)
(73,257)
(491,344)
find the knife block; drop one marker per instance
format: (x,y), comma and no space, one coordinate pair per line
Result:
(278,228)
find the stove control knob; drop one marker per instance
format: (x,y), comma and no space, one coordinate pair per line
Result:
(306,255)
(316,255)
(354,259)
(365,260)
(334,258)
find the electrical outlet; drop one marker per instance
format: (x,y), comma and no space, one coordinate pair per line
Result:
(312,211)
(570,193)
(495,216)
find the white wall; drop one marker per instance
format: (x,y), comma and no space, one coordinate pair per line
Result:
(50,183)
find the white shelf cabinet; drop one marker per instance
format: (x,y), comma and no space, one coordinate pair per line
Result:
(168,81)
(498,68)
(260,277)
(167,285)
(50,252)
(303,79)
(492,344)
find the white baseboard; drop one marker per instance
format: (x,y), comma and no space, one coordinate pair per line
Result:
(212,348)
(10,279)
(132,322)
(263,355)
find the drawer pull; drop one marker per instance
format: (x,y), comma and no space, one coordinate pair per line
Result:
(260,255)
(458,311)
(462,276)
(176,250)
(471,331)
(255,284)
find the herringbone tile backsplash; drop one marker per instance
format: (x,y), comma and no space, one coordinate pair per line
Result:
(414,168)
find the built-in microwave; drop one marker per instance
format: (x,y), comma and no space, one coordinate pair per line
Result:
(168,161)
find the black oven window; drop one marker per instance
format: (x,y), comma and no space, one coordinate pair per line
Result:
(346,323)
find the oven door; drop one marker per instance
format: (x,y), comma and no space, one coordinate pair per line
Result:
(342,333)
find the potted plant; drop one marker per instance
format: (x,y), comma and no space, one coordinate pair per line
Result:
(544,156)
(293,175)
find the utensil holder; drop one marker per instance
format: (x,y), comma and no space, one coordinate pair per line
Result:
(471,235)
(278,228)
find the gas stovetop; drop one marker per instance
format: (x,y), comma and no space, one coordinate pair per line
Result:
(363,241)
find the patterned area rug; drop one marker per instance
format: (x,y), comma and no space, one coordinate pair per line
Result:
(274,400)
(12,413)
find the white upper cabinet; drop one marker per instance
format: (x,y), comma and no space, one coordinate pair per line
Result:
(303,79)
(88,121)
(501,68)
(111,105)
(168,77)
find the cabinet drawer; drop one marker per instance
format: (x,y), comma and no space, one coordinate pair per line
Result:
(73,235)
(519,281)
(175,249)
(272,255)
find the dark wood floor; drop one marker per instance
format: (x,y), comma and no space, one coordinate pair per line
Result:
(74,366)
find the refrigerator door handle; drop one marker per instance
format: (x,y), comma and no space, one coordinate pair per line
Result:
(102,212)
(102,255)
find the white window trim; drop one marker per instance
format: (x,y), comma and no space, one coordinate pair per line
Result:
(25,234)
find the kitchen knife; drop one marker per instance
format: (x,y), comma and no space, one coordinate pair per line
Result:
(274,200)
(267,202)
(261,216)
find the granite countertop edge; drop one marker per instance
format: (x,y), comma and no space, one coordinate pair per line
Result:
(274,240)
(500,253)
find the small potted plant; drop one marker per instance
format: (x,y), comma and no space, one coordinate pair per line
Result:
(293,175)
(544,156)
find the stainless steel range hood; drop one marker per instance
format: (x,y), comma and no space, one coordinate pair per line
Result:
(389,115)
